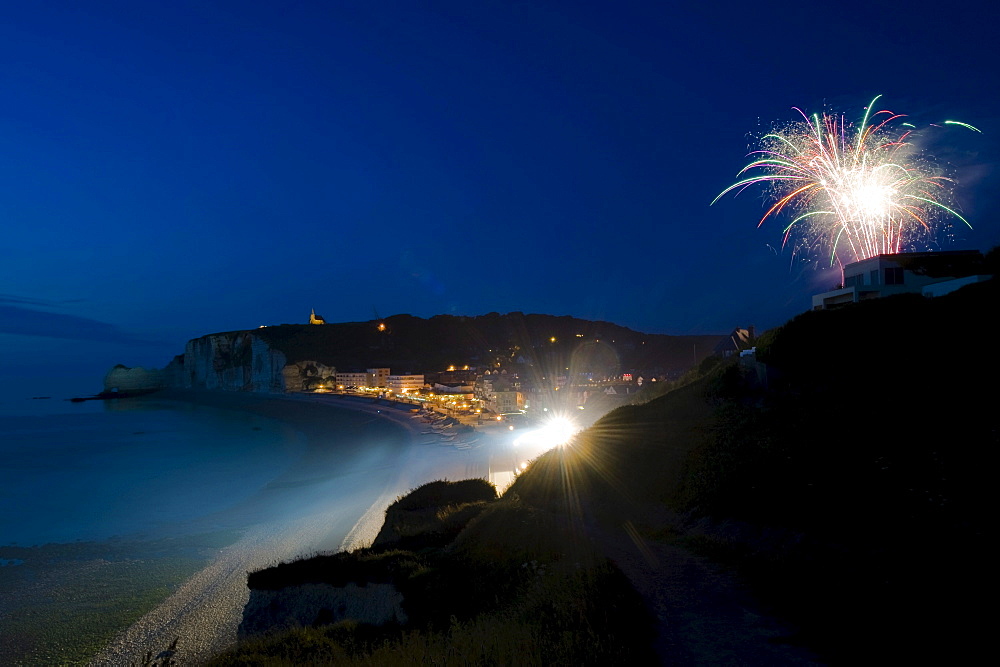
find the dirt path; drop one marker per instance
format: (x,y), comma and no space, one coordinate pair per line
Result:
(702,614)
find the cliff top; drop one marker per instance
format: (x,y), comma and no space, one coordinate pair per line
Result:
(410,343)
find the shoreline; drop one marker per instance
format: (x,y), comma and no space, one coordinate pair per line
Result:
(335,498)
(296,410)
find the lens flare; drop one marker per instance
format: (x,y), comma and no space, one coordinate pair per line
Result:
(556,432)
(855,191)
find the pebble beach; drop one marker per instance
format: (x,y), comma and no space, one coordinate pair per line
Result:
(352,458)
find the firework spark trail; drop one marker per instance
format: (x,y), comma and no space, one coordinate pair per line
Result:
(856,192)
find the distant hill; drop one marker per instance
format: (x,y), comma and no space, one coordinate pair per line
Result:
(414,344)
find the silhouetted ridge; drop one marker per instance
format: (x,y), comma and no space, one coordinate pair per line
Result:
(413,343)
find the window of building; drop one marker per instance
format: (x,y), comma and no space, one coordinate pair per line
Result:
(874,277)
(894,276)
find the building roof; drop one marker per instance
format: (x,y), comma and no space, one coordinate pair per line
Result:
(934,264)
(739,339)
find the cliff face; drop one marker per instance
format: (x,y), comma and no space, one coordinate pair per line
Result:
(234,361)
(312,604)
(376,585)
(301,373)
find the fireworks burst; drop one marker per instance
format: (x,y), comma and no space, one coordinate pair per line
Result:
(855,192)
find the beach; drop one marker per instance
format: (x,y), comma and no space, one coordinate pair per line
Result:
(333,498)
(133,522)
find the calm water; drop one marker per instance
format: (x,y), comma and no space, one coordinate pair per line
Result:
(131,467)
(239,491)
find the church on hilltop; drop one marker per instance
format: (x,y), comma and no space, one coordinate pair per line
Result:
(315,319)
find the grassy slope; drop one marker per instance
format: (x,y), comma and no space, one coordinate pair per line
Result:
(863,453)
(861,461)
(516,586)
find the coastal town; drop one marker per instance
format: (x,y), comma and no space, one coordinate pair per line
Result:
(512,394)
(511,369)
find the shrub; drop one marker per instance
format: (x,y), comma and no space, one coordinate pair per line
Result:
(443,492)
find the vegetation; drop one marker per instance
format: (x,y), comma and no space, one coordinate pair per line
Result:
(513,340)
(557,618)
(839,473)
(443,493)
(432,515)
(516,586)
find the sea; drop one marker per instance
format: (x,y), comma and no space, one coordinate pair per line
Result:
(112,509)
(128,523)
(98,469)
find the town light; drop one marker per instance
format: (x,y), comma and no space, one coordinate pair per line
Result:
(555,432)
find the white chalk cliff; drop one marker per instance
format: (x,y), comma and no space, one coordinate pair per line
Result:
(234,361)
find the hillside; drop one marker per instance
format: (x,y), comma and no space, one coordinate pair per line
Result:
(826,502)
(843,477)
(514,339)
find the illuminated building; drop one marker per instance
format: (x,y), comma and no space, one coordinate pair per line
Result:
(379,377)
(405,383)
(927,273)
(353,380)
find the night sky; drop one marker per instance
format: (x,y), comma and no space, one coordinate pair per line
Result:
(179,168)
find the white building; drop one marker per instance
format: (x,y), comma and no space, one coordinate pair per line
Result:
(927,273)
(500,393)
(506,402)
(402,384)
(380,377)
(346,380)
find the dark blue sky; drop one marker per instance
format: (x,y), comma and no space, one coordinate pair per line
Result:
(172,169)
